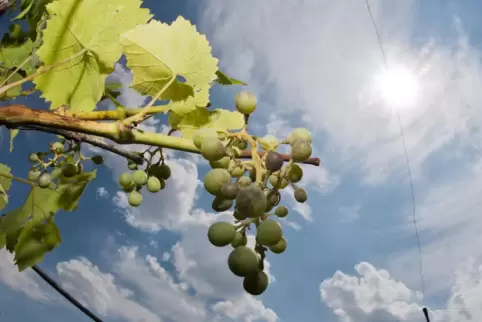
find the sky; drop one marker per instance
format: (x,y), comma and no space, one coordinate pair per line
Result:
(352,252)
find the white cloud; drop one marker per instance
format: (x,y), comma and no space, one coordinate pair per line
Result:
(102,192)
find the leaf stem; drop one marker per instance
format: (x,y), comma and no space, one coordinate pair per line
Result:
(11,177)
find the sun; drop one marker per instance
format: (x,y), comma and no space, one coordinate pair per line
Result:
(398,86)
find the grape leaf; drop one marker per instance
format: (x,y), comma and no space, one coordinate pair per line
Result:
(13,55)
(13,134)
(224,79)
(26,7)
(14,92)
(69,32)
(218,119)
(5,183)
(70,189)
(156,52)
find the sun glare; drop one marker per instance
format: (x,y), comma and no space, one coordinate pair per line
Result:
(397,86)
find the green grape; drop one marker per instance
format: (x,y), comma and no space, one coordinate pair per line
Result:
(140,177)
(277,183)
(202,134)
(33,157)
(80,168)
(300,195)
(237,172)
(130,187)
(240,239)
(279,247)
(300,151)
(131,165)
(44,180)
(223,163)
(215,179)
(242,144)
(221,204)
(135,198)
(245,102)
(251,201)
(57,147)
(69,170)
(281,211)
(125,179)
(243,261)
(154,184)
(98,159)
(299,134)
(33,174)
(269,232)
(256,284)
(212,149)
(164,171)
(273,198)
(238,215)
(294,173)
(269,142)
(244,181)
(230,190)
(221,233)
(274,161)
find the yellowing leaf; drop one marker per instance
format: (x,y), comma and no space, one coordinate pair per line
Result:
(76,25)
(156,52)
(218,119)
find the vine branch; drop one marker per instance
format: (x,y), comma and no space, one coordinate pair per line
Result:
(18,116)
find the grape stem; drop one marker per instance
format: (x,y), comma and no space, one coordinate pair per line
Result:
(18,116)
(11,177)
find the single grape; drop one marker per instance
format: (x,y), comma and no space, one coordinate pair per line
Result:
(256,284)
(230,190)
(269,142)
(140,177)
(245,102)
(273,198)
(57,147)
(221,204)
(131,165)
(212,149)
(269,232)
(243,261)
(300,195)
(223,163)
(125,179)
(221,233)
(240,239)
(164,171)
(33,174)
(277,183)
(69,170)
(299,134)
(153,184)
(300,151)
(44,180)
(238,215)
(33,157)
(242,144)
(204,133)
(244,181)
(274,161)
(237,172)
(135,198)
(130,187)
(215,179)
(98,159)
(251,201)
(279,247)
(294,173)
(281,211)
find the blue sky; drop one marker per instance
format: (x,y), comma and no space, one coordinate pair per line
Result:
(352,253)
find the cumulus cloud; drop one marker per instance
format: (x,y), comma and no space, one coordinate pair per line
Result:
(102,192)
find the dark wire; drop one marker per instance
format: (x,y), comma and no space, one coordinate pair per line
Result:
(64,293)
(402,134)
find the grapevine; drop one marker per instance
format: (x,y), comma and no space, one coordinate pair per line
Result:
(67,58)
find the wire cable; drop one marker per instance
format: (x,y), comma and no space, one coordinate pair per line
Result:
(64,293)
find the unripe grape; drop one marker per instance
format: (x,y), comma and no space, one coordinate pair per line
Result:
(251,201)
(202,134)
(230,190)
(212,149)
(237,172)
(153,184)
(281,211)
(69,170)
(299,134)
(279,247)
(240,239)
(164,171)
(215,179)
(34,174)
(244,181)
(269,142)
(130,187)
(140,177)
(125,179)
(135,198)
(269,232)
(243,261)
(33,157)
(131,165)
(273,197)
(44,180)
(221,233)
(294,173)
(300,151)
(278,183)
(274,161)
(223,163)
(80,168)
(221,204)
(238,215)
(245,102)
(300,195)
(256,284)
(98,159)
(242,144)
(57,147)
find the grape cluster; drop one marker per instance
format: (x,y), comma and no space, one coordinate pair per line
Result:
(63,159)
(235,183)
(153,177)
